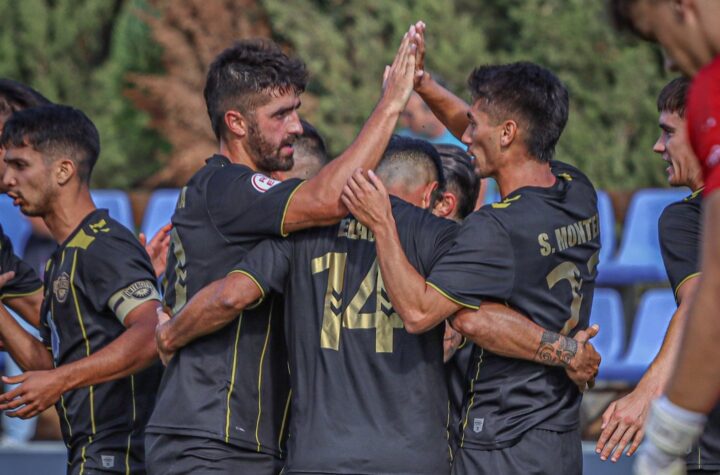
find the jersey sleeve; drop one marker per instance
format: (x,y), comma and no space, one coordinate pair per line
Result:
(245,204)
(268,264)
(117,274)
(480,264)
(679,233)
(25,282)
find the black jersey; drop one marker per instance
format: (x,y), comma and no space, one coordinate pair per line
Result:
(680,238)
(94,279)
(368,397)
(232,385)
(456,370)
(25,281)
(537,251)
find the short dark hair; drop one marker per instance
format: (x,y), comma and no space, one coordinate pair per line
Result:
(246,75)
(15,96)
(460,177)
(415,153)
(55,130)
(312,142)
(673,96)
(620,12)
(529,94)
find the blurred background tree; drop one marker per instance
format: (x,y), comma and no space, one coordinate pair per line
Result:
(137,68)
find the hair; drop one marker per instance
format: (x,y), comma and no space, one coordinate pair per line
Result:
(620,12)
(54,131)
(673,96)
(311,143)
(246,75)
(15,96)
(407,160)
(460,177)
(528,94)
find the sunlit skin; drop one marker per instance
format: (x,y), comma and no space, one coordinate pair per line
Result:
(683,168)
(28,180)
(482,139)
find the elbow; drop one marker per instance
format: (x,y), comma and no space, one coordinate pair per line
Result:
(417,322)
(230,300)
(474,327)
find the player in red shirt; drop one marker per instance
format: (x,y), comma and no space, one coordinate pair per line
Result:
(687,30)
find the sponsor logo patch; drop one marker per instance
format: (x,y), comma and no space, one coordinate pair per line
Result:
(478,424)
(262,183)
(108,461)
(61,287)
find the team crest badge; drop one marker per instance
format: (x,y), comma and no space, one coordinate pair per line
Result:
(262,183)
(139,290)
(478,424)
(61,287)
(108,461)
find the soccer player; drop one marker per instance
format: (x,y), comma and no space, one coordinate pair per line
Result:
(309,155)
(680,244)
(232,385)
(99,310)
(347,346)
(536,251)
(687,31)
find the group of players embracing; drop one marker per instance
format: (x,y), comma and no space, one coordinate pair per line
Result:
(305,325)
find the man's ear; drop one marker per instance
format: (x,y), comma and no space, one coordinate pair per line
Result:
(445,206)
(236,123)
(427,194)
(65,169)
(508,133)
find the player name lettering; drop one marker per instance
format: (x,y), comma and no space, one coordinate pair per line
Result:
(571,235)
(351,228)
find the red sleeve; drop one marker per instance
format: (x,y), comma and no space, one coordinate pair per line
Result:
(703,122)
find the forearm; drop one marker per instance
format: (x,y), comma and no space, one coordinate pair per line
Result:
(695,383)
(129,353)
(505,332)
(447,107)
(27,351)
(28,307)
(209,310)
(418,305)
(318,201)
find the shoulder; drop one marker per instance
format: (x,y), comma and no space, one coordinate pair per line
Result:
(680,215)
(570,173)
(102,238)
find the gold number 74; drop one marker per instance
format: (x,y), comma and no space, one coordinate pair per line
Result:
(383,319)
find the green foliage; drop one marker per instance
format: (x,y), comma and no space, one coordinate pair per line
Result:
(612,82)
(78,52)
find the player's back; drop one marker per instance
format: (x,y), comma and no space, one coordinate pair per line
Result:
(537,251)
(368,397)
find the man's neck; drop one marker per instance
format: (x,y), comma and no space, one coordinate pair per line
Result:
(236,153)
(69,210)
(522,172)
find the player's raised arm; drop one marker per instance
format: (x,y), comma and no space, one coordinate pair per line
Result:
(210,309)
(447,107)
(318,202)
(504,331)
(420,306)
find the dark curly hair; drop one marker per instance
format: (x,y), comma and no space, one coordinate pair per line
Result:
(246,75)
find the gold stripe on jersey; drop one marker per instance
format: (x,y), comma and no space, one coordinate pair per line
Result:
(84,333)
(287,204)
(447,430)
(134,412)
(682,282)
(454,300)
(262,292)
(82,455)
(67,421)
(232,380)
(472,399)
(260,374)
(23,294)
(284,419)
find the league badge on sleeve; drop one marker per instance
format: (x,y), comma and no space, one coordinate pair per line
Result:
(262,183)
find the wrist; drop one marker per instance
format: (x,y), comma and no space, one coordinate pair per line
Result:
(164,338)
(424,83)
(67,379)
(390,107)
(384,229)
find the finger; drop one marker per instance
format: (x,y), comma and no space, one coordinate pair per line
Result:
(607,415)
(349,198)
(399,51)
(636,441)
(593,330)
(386,73)
(143,239)
(377,182)
(14,380)
(605,436)
(348,204)
(6,277)
(591,384)
(162,316)
(614,441)
(15,403)
(629,433)
(354,184)
(25,412)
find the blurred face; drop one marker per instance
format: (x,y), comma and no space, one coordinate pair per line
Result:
(3,119)
(419,118)
(28,180)
(483,140)
(683,168)
(272,130)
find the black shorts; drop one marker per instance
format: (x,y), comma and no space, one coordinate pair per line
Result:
(115,452)
(538,452)
(184,455)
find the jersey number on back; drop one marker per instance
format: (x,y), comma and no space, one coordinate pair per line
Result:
(383,319)
(569,271)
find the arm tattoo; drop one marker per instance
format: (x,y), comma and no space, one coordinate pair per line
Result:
(555,349)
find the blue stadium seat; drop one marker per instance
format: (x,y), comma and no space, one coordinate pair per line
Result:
(639,259)
(14,223)
(651,322)
(607,226)
(159,210)
(118,205)
(608,313)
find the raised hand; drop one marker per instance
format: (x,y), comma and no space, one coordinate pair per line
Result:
(419,37)
(398,80)
(157,248)
(368,200)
